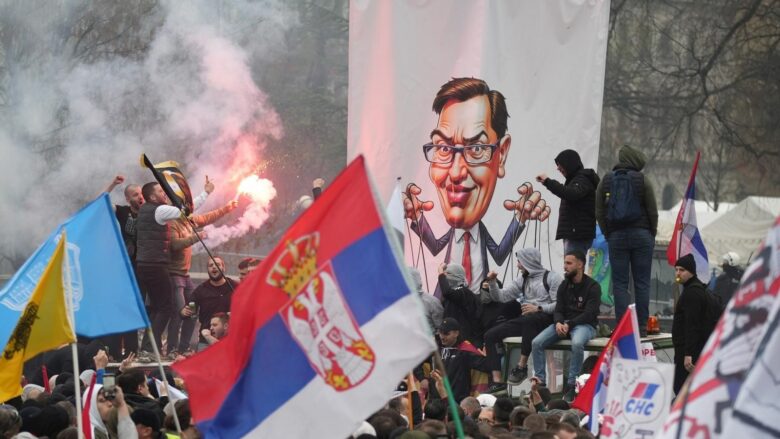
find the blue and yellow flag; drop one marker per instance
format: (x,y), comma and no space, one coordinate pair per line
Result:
(43,325)
(106,299)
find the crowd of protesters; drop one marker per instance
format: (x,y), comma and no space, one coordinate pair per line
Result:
(541,305)
(132,405)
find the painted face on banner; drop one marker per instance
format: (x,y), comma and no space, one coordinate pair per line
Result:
(466,189)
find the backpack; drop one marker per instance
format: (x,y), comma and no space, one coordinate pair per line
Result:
(622,202)
(544,282)
(713,310)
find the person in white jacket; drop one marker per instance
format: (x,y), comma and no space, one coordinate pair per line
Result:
(536,291)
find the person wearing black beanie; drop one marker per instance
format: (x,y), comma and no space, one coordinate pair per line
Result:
(687,263)
(688,329)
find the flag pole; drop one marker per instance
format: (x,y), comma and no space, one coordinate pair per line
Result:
(410,409)
(164,378)
(76,387)
(450,398)
(73,346)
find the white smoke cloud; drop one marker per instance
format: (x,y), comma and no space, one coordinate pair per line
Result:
(76,107)
(260,191)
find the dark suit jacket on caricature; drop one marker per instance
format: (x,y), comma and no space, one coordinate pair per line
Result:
(499,251)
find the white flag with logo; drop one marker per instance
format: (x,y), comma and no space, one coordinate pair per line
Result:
(637,399)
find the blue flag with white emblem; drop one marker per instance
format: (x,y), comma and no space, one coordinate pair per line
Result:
(106,297)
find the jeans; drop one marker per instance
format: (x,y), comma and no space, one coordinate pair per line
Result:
(155,280)
(580,335)
(631,249)
(582,245)
(182,291)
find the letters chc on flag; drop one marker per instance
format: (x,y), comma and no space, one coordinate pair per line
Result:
(733,390)
(325,326)
(106,298)
(638,399)
(44,325)
(686,237)
(624,343)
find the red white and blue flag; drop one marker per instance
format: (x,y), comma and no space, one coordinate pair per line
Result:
(320,333)
(686,238)
(624,343)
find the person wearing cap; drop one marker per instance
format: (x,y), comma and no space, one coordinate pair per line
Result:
(688,336)
(460,357)
(728,281)
(536,289)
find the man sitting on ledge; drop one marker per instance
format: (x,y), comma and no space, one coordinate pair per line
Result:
(575,317)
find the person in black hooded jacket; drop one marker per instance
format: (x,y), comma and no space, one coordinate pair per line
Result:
(460,303)
(577,214)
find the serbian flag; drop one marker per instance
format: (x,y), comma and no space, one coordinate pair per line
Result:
(686,237)
(624,343)
(320,333)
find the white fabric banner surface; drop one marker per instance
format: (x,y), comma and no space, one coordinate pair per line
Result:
(540,61)
(638,399)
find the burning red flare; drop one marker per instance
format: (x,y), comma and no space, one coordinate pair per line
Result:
(260,190)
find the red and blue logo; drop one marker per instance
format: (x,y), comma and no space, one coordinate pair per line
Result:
(641,400)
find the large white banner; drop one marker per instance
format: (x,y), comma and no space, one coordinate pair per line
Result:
(638,399)
(507,85)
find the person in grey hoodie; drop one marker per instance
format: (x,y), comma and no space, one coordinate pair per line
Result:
(434,312)
(537,290)
(630,242)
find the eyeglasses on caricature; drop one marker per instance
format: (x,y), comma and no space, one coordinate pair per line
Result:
(473,154)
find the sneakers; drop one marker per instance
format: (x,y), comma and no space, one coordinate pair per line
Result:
(496,388)
(517,375)
(569,393)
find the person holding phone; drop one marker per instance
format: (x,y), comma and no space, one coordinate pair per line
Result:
(106,399)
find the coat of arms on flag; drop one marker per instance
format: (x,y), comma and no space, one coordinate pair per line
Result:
(318,317)
(315,329)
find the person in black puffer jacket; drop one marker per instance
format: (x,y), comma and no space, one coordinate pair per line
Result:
(577,213)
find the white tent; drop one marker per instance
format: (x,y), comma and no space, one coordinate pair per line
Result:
(704,216)
(741,229)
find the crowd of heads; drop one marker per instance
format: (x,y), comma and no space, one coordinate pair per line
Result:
(482,417)
(131,409)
